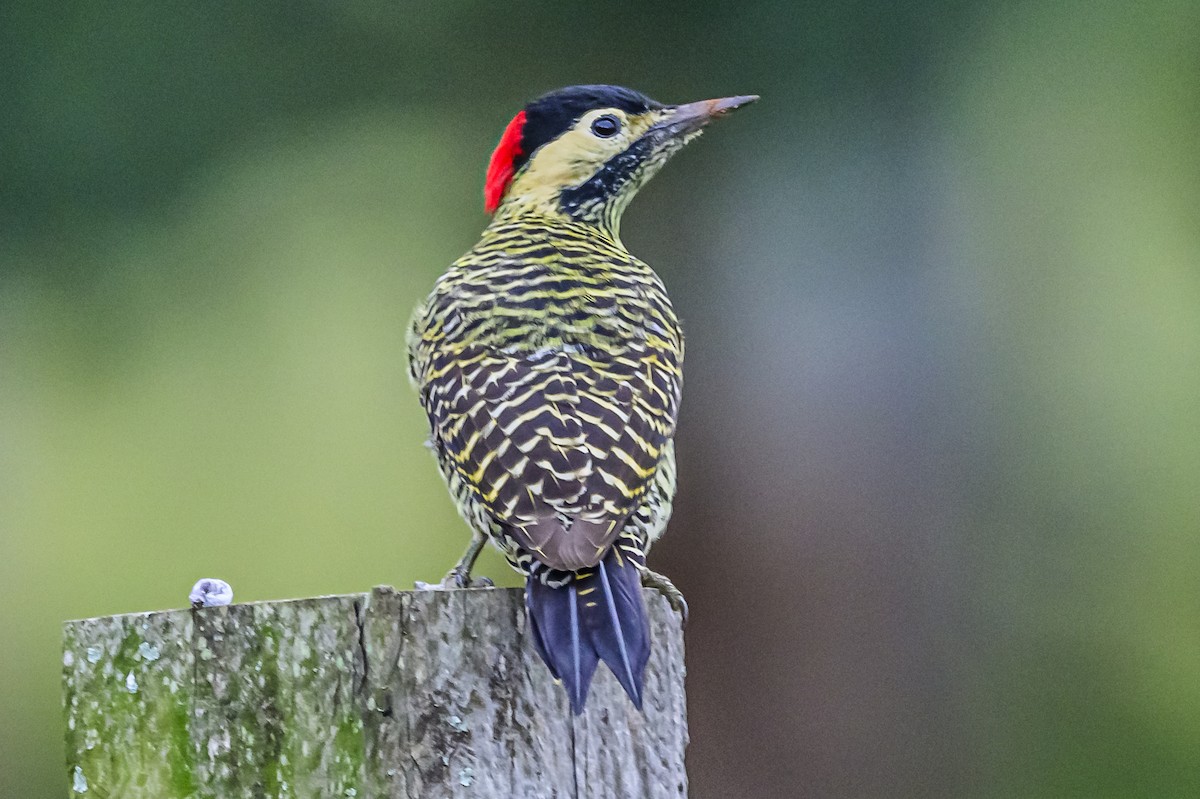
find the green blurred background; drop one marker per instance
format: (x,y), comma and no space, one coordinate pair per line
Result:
(939,519)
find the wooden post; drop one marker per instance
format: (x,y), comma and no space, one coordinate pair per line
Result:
(389,694)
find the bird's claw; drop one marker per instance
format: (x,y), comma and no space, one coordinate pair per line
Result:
(664,586)
(455,579)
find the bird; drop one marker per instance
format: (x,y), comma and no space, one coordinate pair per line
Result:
(548,360)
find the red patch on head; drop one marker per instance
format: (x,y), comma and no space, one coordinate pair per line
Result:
(503,164)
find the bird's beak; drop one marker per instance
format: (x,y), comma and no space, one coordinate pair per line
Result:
(691,117)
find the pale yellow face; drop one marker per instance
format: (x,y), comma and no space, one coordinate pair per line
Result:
(574,157)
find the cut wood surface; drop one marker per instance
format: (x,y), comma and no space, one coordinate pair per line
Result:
(388,694)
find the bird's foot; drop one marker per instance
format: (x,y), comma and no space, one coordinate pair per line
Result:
(664,586)
(456,578)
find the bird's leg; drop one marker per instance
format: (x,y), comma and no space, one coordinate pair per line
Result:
(663,585)
(460,575)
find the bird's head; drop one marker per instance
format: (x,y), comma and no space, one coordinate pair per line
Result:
(582,152)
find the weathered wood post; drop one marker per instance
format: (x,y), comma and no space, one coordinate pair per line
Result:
(389,694)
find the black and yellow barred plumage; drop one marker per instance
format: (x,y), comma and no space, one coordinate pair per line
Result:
(549,362)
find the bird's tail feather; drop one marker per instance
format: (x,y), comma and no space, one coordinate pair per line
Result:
(600,615)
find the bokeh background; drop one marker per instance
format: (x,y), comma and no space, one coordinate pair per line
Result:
(939,520)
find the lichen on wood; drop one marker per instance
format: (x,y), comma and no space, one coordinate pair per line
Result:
(389,694)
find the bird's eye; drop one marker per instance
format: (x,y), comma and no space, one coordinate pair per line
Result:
(606,126)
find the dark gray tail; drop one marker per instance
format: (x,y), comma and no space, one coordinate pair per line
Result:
(600,615)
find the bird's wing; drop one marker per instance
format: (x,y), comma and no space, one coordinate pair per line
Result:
(559,444)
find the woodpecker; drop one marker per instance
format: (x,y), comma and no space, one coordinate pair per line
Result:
(548,359)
